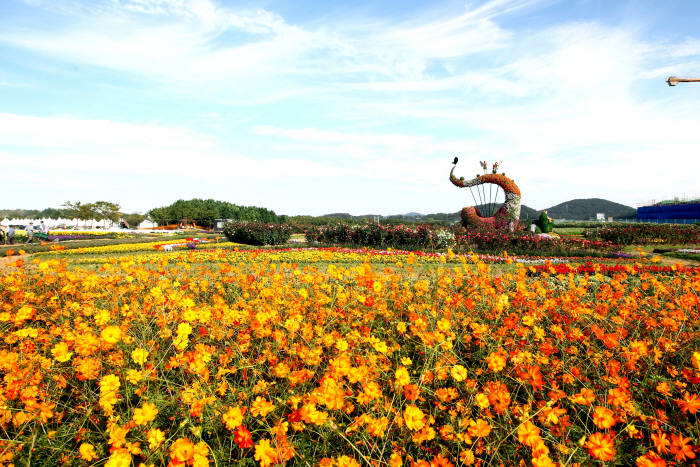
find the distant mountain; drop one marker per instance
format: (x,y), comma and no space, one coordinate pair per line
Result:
(586,209)
(575,209)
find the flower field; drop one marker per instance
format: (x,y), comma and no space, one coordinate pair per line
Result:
(343,357)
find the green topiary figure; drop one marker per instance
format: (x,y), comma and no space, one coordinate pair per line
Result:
(544,223)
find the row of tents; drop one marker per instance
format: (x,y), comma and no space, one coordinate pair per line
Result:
(75,224)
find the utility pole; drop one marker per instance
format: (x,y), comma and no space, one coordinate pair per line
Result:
(673,80)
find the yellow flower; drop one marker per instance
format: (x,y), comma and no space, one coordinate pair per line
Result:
(87,451)
(111,334)
(342,345)
(402,376)
(119,458)
(265,453)
(233,418)
(60,352)
(139,356)
(155,438)
(414,417)
(134,376)
(147,413)
(459,373)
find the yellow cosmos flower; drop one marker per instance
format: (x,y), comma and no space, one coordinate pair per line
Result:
(147,413)
(402,376)
(111,334)
(139,356)
(459,373)
(155,438)
(233,418)
(60,352)
(414,418)
(87,452)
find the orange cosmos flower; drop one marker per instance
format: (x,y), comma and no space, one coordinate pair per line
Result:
(155,438)
(261,407)
(480,428)
(661,442)
(601,446)
(496,361)
(120,458)
(402,376)
(528,433)
(243,438)
(603,417)
(139,356)
(681,448)
(182,450)
(414,417)
(585,396)
(689,403)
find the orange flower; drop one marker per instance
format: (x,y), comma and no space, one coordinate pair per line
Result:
(480,428)
(585,396)
(601,446)
(261,407)
(603,417)
(681,448)
(182,450)
(414,418)
(528,433)
(60,352)
(402,376)
(689,403)
(496,361)
(661,442)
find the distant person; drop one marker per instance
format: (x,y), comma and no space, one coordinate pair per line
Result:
(43,228)
(10,238)
(2,234)
(30,232)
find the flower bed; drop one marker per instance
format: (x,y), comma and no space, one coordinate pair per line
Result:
(528,244)
(257,233)
(647,234)
(591,268)
(422,237)
(266,362)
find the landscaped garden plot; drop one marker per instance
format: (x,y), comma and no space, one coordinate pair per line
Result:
(344,358)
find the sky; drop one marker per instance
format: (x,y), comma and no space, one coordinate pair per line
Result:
(313,107)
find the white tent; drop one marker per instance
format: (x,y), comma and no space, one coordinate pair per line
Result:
(146,224)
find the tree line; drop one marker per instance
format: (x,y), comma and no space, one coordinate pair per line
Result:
(204,211)
(198,211)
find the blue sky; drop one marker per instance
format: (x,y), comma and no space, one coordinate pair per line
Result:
(319,107)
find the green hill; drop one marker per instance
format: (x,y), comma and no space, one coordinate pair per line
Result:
(586,209)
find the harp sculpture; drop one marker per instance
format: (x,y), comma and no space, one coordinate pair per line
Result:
(485,213)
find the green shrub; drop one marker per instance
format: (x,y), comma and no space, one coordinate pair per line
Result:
(257,233)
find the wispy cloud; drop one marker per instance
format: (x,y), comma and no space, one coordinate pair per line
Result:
(377,102)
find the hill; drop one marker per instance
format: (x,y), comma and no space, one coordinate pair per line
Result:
(575,209)
(586,209)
